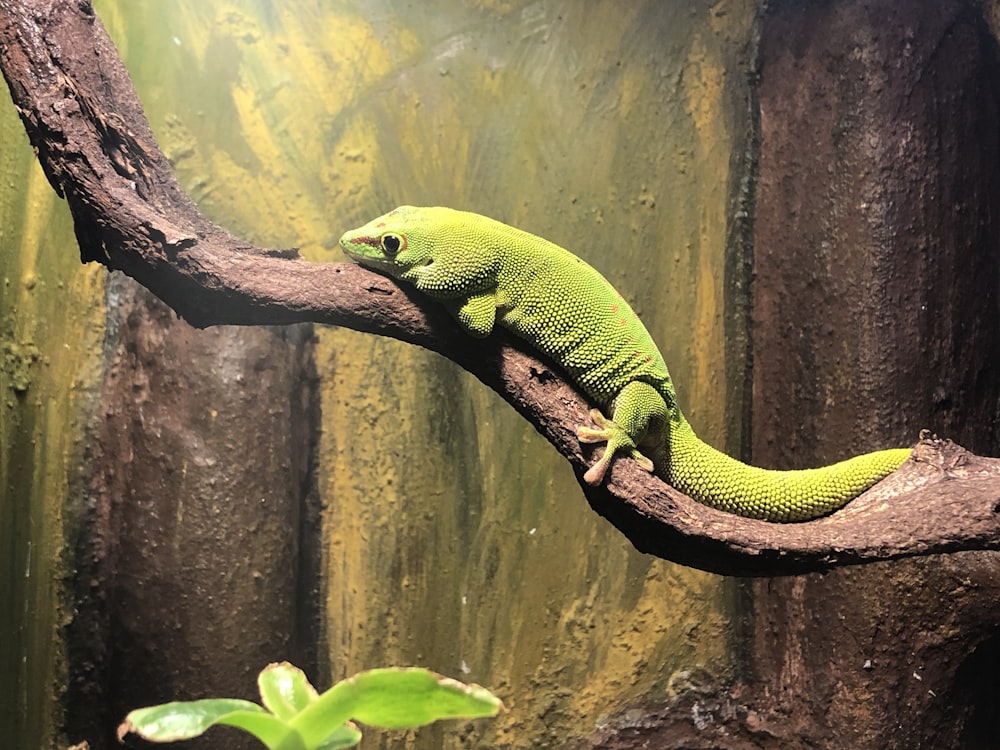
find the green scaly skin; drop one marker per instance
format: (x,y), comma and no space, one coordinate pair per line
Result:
(486,272)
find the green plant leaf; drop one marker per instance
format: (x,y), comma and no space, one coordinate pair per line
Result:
(394,698)
(267,728)
(346,735)
(285,690)
(183,720)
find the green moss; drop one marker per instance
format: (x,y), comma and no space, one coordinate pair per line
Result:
(51,324)
(18,359)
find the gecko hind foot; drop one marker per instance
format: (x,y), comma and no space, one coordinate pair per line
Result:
(608,429)
(618,441)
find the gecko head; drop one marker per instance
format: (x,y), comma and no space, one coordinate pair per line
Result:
(397,242)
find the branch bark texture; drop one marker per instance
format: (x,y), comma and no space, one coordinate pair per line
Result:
(95,145)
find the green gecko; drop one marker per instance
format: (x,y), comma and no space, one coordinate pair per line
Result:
(486,272)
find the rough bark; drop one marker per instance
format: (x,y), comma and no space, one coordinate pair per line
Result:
(192,571)
(890,107)
(88,128)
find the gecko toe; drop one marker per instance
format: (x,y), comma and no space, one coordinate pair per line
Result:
(590,435)
(595,474)
(645,463)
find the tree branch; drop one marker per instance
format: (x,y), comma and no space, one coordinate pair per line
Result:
(92,139)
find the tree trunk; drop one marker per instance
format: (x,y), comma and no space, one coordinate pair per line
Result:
(876,284)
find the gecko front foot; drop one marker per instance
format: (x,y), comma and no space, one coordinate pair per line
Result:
(618,441)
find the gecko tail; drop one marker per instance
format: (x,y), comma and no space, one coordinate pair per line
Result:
(713,478)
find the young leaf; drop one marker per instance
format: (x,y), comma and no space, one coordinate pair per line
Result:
(346,735)
(183,720)
(393,698)
(267,728)
(285,690)
(405,698)
(180,720)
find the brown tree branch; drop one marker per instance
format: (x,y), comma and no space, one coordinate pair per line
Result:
(92,139)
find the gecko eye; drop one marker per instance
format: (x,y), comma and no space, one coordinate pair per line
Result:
(392,243)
